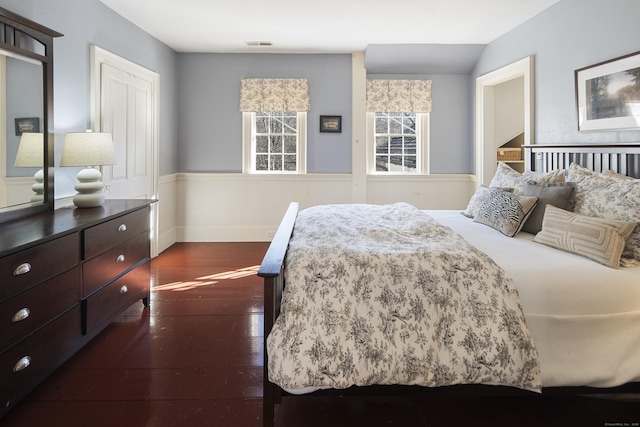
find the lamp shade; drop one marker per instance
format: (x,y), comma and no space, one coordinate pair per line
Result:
(30,151)
(87,149)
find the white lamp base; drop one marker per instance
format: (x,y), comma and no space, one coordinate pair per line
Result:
(38,187)
(90,189)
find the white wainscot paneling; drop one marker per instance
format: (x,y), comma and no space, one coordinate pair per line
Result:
(168,211)
(438,191)
(241,207)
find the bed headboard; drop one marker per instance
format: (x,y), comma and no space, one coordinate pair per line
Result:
(620,158)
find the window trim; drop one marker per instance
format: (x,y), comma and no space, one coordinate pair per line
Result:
(249,146)
(422,148)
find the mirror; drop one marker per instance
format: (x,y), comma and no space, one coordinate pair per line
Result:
(26,116)
(21,101)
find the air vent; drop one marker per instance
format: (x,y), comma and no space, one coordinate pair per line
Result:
(259,43)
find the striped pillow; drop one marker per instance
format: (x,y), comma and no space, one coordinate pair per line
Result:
(599,239)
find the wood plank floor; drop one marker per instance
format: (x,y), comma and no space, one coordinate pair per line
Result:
(194,358)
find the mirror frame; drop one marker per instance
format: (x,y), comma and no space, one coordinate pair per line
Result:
(14,24)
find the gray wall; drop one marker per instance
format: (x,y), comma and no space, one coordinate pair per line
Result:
(210,123)
(569,35)
(87,22)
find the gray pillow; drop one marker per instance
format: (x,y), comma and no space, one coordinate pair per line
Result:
(559,194)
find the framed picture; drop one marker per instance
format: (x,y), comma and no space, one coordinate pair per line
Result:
(27,124)
(608,94)
(331,124)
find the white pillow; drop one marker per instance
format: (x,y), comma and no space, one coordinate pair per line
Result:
(604,196)
(505,212)
(506,176)
(599,239)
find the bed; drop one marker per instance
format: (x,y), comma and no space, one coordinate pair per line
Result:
(581,304)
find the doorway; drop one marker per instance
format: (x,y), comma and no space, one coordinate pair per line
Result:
(489,112)
(125,103)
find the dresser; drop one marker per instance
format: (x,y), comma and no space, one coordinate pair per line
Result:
(64,276)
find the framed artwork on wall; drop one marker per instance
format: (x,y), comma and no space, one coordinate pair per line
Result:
(27,124)
(608,94)
(331,124)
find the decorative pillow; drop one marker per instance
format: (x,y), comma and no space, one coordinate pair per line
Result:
(505,211)
(606,197)
(506,176)
(558,194)
(599,239)
(611,174)
(478,198)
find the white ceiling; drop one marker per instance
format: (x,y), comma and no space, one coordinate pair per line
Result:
(323,26)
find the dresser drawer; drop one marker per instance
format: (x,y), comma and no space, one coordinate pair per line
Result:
(106,267)
(100,238)
(25,269)
(22,315)
(102,306)
(22,367)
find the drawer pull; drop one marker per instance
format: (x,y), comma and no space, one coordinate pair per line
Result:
(120,259)
(122,228)
(22,364)
(22,269)
(21,315)
(124,289)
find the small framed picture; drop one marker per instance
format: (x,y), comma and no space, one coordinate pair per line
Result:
(27,124)
(331,124)
(608,94)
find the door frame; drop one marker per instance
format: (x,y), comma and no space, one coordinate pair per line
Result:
(485,113)
(101,56)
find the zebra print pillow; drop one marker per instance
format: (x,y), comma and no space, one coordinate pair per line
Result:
(505,211)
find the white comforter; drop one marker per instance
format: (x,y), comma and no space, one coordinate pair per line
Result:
(386,295)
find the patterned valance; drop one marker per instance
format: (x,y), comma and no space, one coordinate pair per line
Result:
(410,96)
(274,95)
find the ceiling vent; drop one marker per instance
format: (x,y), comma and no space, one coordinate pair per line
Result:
(259,43)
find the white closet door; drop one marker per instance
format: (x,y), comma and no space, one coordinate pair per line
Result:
(127,113)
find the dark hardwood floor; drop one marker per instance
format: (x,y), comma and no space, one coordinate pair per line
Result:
(194,358)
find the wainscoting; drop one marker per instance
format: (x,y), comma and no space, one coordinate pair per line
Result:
(218,207)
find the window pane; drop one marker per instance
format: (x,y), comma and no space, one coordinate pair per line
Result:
(382,163)
(275,125)
(410,163)
(409,122)
(289,163)
(410,145)
(396,145)
(276,144)
(381,123)
(395,125)
(382,145)
(262,144)
(275,162)
(290,145)
(262,123)
(291,124)
(262,162)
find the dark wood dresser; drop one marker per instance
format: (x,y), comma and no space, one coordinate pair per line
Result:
(64,276)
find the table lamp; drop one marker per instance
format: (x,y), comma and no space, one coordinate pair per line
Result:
(88,149)
(30,155)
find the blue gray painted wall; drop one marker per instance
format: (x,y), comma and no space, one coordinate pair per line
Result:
(568,36)
(210,122)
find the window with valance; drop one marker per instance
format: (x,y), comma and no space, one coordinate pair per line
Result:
(274,114)
(397,126)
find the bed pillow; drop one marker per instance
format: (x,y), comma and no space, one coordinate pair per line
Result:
(603,196)
(505,212)
(599,239)
(558,194)
(611,174)
(506,176)
(478,198)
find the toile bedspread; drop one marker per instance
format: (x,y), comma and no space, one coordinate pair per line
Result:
(386,295)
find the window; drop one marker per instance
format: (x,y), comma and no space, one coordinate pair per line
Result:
(398,142)
(275,142)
